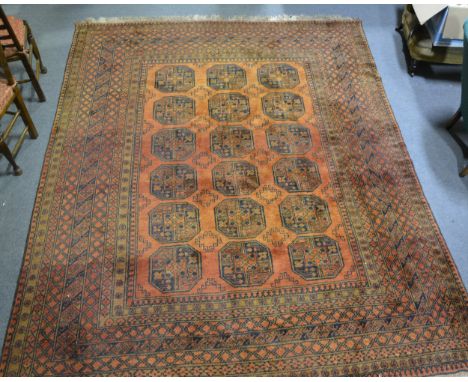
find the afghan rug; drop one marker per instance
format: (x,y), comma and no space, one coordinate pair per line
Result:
(231,198)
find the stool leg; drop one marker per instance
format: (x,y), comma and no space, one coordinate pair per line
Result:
(7,153)
(19,102)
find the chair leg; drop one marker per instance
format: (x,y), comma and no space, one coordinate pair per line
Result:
(19,102)
(38,57)
(32,76)
(413,64)
(35,49)
(7,153)
(453,120)
(464,172)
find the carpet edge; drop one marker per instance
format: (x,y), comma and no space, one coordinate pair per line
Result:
(410,164)
(214,18)
(5,352)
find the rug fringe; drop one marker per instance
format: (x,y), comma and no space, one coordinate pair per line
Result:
(277,18)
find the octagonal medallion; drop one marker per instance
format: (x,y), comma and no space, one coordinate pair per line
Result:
(283,106)
(315,257)
(229,107)
(175,78)
(235,178)
(239,218)
(289,138)
(231,141)
(245,264)
(296,174)
(174,110)
(305,213)
(277,76)
(173,144)
(175,268)
(226,77)
(173,181)
(174,222)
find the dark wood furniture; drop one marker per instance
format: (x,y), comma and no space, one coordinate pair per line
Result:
(419,43)
(19,45)
(11,94)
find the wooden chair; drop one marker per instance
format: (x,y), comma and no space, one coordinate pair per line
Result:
(10,93)
(19,45)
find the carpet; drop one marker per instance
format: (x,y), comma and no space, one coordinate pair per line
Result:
(231,198)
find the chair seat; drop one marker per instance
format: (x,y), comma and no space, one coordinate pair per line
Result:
(6,92)
(419,42)
(20,31)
